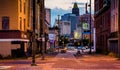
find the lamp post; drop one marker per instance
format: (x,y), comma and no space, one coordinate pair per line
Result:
(58,31)
(41,19)
(33,35)
(90,28)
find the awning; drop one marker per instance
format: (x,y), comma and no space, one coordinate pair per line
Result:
(25,40)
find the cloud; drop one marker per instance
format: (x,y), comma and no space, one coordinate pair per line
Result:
(64,4)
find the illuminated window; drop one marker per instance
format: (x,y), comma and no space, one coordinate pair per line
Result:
(5,23)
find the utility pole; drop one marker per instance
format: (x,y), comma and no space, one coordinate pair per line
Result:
(119,29)
(42,11)
(90,28)
(33,35)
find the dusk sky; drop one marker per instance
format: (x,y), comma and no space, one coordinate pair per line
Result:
(60,7)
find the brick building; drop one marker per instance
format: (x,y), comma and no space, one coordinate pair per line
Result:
(113,39)
(102,24)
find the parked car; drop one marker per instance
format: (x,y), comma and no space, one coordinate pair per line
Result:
(70,47)
(70,44)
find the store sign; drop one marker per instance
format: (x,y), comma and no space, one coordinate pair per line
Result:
(85,26)
(51,36)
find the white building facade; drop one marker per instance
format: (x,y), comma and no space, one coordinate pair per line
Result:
(65,28)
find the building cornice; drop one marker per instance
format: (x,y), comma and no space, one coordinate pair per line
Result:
(102,10)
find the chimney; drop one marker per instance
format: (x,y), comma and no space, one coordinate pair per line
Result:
(86,8)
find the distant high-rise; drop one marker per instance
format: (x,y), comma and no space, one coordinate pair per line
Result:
(73,19)
(75,9)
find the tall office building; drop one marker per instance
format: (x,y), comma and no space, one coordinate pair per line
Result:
(73,19)
(75,9)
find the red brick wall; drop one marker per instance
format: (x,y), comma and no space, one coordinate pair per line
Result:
(102,25)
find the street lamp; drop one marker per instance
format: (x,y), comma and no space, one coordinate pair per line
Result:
(33,35)
(41,22)
(90,28)
(58,30)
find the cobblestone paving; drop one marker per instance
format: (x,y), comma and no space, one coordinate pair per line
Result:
(65,61)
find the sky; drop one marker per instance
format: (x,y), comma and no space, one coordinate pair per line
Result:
(61,7)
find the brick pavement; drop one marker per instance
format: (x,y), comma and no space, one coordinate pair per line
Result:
(66,61)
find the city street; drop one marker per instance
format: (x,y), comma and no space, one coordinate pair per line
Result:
(59,34)
(64,61)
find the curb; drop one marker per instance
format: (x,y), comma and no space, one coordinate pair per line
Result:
(5,67)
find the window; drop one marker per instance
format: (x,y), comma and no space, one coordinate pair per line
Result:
(24,8)
(96,6)
(116,3)
(66,23)
(5,23)
(24,24)
(113,4)
(28,24)
(20,5)
(20,23)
